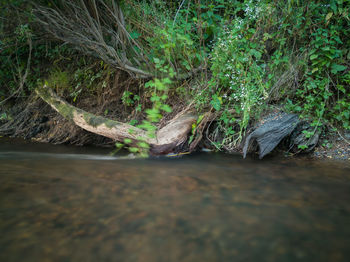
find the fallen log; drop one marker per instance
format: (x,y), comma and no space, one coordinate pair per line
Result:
(167,139)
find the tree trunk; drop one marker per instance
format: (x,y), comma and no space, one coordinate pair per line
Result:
(167,138)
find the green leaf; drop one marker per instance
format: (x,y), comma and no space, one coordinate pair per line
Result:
(119,145)
(134,35)
(149,84)
(337,68)
(133,122)
(164,97)
(155,98)
(329,15)
(200,118)
(341,88)
(143,145)
(159,84)
(312,57)
(152,111)
(127,141)
(133,149)
(166,80)
(298,108)
(302,147)
(333,5)
(216,102)
(255,53)
(166,108)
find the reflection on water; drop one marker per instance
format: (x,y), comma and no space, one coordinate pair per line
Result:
(69,204)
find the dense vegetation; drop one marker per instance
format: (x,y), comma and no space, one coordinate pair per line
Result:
(236,58)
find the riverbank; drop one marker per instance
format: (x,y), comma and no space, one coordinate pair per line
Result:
(338,150)
(47,126)
(158,78)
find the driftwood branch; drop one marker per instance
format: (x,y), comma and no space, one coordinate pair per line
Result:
(167,138)
(96,28)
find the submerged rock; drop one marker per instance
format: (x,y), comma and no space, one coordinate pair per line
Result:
(271,132)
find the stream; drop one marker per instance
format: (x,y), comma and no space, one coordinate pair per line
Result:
(63,203)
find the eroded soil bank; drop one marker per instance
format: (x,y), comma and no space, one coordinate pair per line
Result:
(35,120)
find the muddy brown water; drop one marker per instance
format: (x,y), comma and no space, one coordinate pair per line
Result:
(62,203)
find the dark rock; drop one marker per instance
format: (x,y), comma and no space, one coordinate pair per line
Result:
(271,132)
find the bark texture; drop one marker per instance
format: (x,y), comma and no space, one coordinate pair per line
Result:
(271,132)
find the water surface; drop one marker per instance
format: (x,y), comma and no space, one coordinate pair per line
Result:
(62,203)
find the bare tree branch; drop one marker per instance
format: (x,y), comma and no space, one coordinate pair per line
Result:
(96,28)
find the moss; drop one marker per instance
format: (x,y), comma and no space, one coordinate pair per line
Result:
(67,111)
(111,123)
(93,120)
(47,95)
(44,94)
(98,120)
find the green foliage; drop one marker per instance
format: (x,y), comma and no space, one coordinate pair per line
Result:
(158,88)
(14,58)
(178,35)
(22,46)
(59,80)
(253,53)
(129,99)
(81,77)
(267,40)
(324,91)
(238,71)
(86,78)
(302,147)
(4,116)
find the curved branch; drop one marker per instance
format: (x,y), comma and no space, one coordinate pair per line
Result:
(167,138)
(96,124)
